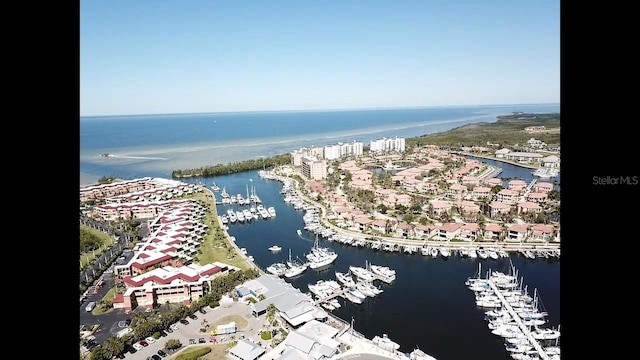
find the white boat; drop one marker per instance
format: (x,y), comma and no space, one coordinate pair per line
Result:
(517,348)
(352,298)
(335,303)
(345,279)
(493,254)
(434,252)
(320,257)
(385,343)
(357,293)
(444,252)
(361,273)
(482,253)
(472,253)
(299,232)
(418,354)
(507,331)
(385,273)
(215,187)
(328,306)
(295,267)
(545,334)
(546,172)
(365,289)
(272,211)
(275,248)
(277,269)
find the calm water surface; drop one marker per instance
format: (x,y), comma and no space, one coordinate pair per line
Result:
(428,306)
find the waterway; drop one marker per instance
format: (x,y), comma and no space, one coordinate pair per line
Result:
(428,306)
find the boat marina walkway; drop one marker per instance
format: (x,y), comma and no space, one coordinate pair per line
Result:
(525,329)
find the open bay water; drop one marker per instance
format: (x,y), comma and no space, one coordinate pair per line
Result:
(156,145)
(428,306)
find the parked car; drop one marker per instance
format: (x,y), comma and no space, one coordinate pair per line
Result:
(150,339)
(193,316)
(202,311)
(202,340)
(144,343)
(156,357)
(184,321)
(174,327)
(138,346)
(169,329)
(162,353)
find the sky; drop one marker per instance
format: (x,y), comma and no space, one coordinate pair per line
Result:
(192,56)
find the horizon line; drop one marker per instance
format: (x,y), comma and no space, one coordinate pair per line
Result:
(311,110)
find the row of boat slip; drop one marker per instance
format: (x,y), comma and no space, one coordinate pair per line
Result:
(515,315)
(247,215)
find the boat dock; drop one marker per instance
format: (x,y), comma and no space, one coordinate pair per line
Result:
(525,329)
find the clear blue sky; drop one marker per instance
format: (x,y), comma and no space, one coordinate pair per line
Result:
(160,56)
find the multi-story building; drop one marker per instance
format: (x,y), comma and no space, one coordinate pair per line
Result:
(313,168)
(387,145)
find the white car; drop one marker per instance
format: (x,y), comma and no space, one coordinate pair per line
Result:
(174,327)
(137,346)
(150,339)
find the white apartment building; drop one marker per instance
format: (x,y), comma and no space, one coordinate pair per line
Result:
(338,150)
(387,145)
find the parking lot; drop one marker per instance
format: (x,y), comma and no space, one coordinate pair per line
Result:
(189,334)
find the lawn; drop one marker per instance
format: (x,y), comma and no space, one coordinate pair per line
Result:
(107,239)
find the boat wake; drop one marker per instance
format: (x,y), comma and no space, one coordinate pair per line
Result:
(136,157)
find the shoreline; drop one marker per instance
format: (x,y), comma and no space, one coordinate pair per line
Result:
(501,245)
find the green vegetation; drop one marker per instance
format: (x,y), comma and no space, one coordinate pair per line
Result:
(148,324)
(92,244)
(235,167)
(507,131)
(107,180)
(194,353)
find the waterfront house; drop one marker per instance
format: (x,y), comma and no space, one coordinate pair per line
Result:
(551,161)
(492,232)
(403,229)
(517,232)
(424,231)
(362,222)
(469,232)
(523,157)
(541,233)
(501,153)
(380,225)
(448,231)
